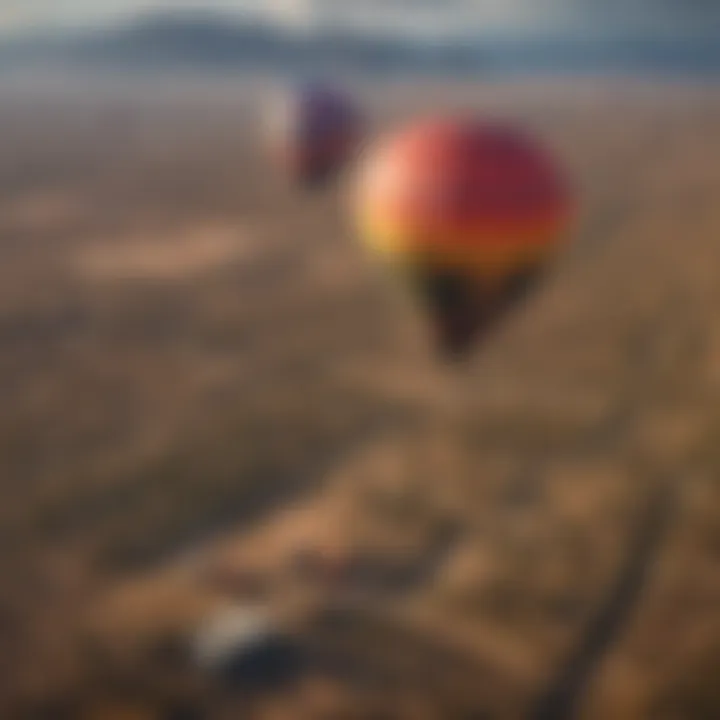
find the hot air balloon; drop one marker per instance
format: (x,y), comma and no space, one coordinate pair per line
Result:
(469,212)
(312,131)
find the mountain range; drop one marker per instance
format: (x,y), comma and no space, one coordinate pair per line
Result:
(212,41)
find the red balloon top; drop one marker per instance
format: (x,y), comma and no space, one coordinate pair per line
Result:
(463,179)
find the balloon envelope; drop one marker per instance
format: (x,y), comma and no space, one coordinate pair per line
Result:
(470,211)
(313,130)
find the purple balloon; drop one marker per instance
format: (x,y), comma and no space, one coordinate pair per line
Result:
(314,126)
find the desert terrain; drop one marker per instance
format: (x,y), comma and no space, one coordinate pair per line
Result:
(211,395)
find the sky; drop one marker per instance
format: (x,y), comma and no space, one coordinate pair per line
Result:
(648,16)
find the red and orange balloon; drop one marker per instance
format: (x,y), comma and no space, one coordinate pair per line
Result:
(471,209)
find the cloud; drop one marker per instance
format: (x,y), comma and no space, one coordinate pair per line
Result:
(14,13)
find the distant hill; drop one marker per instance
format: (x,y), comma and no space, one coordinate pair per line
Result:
(212,41)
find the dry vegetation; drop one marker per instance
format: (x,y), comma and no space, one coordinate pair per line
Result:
(202,376)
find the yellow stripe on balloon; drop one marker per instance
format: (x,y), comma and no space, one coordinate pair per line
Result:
(515,246)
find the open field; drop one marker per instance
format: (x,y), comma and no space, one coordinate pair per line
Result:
(202,373)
